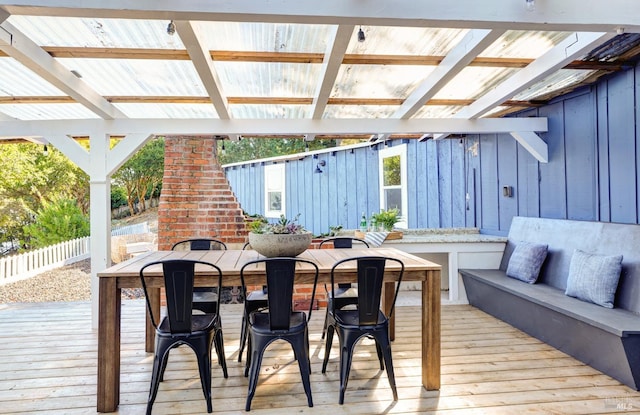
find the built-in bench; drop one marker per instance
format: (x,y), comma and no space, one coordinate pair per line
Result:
(606,339)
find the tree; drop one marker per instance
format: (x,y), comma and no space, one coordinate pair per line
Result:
(142,174)
(257,148)
(30,178)
(57,221)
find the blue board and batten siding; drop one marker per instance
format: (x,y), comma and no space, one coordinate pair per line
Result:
(592,173)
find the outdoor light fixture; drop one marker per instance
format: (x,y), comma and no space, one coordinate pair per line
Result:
(223,150)
(361,33)
(171,28)
(530,5)
(306,146)
(45,151)
(321,163)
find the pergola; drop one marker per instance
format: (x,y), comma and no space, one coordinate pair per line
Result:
(421,70)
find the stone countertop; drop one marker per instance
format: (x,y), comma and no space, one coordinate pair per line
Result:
(445,235)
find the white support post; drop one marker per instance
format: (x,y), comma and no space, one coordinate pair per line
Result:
(533,144)
(100,191)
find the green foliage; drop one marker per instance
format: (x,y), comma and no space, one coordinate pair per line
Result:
(57,221)
(257,148)
(391,170)
(386,218)
(30,179)
(118,197)
(281,226)
(141,175)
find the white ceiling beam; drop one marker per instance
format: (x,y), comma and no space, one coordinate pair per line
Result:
(571,48)
(331,63)
(564,15)
(474,42)
(126,148)
(274,126)
(15,44)
(533,144)
(201,59)
(72,149)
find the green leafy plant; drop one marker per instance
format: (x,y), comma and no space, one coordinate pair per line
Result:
(281,226)
(387,218)
(58,221)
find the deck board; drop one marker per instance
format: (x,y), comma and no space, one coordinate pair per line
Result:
(48,358)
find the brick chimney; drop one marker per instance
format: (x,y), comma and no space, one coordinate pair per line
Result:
(196,199)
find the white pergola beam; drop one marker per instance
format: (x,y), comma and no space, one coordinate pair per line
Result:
(15,44)
(564,15)
(559,56)
(330,67)
(72,149)
(533,144)
(201,59)
(270,126)
(474,42)
(203,64)
(122,152)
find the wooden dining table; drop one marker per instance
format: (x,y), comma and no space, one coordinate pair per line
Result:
(127,275)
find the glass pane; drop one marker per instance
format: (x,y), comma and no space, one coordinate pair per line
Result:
(393,199)
(275,200)
(391,166)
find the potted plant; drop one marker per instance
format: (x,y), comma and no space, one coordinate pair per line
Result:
(386,219)
(283,238)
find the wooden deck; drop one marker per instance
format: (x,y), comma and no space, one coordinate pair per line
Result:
(48,358)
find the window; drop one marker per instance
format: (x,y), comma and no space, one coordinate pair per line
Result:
(274,186)
(393,181)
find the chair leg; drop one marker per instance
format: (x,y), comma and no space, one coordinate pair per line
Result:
(243,335)
(219,344)
(254,359)
(326,323)
(300,347)
(327,348)
(385,346)
(347,344)
(379,351)
(203,353)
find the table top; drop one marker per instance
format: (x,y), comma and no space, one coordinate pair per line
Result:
(230,261)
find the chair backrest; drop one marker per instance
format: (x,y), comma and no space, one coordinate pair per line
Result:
(199,244)
(280,275)
(179,275)
(344,242)
(370,270)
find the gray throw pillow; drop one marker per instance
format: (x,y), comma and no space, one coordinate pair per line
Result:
(594,278)
(526,260)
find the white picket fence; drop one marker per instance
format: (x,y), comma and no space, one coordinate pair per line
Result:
(22,266)
(19,267)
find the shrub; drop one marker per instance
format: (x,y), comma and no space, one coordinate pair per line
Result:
(58,221)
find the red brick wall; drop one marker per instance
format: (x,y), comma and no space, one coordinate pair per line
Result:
(196,199)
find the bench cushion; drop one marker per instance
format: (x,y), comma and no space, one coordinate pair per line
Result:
(594,278)
(526,260)
(616,321)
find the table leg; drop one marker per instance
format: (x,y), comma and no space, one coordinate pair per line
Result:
(389,291)
(108,346)
(431,331)
(150,331)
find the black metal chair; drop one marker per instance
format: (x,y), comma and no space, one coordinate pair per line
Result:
(346,293)
(180,326)
(280,321)
(366,320)
(205,299)
(253,301)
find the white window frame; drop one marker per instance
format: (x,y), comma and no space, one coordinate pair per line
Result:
(399,150)
(274,181)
